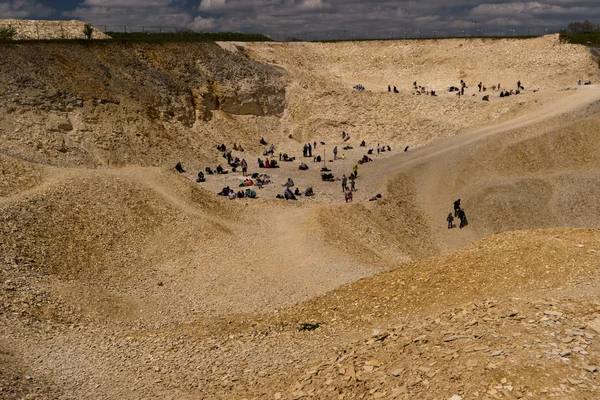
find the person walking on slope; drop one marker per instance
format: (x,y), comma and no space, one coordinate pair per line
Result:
(450,218)
(355,170)
(456,207)
(344,183)
(352,187)
(335,153)
(463,218)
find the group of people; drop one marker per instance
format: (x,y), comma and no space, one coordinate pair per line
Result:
(232,195)
(359,87)
(267,163)
(308,148)
(459,213)
(288,194)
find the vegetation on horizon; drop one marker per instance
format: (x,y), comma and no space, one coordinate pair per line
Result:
(586,33)
(7,33)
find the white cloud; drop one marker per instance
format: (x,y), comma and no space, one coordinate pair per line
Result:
(24,9)
(203,24)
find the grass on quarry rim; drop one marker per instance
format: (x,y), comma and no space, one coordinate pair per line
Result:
(587,39)
(146,37)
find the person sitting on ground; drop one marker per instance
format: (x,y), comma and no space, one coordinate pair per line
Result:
(219,169)
(327,177)
(486,98)
(309,192)
(235,146)
(501,94)
(200,177)
(303,167)
(232,195)
(297,192)
(587,83)
(287,193)
(343,134)
(250,193)
(263,141)
(348,196)
(388,148)
(288,183)
(406,149)
(267,163)
(209,171)
(347,138)
(396,90)
(224,191)
(433,93)
(363,144)
(317,159)
(240,194)
(261,164)
(370,151)
(179,168)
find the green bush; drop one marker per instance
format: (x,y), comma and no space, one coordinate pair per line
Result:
(7,33)
(88,31)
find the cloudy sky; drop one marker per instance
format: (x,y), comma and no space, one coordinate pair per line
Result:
(333,18)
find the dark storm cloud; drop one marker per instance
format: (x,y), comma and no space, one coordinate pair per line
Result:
(23,9)
(314,16)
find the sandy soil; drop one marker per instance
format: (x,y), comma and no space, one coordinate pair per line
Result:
(138,282)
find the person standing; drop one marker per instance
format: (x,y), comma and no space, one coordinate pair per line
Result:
(378,148)
(335,153)
(462,217)
(344,183)
(305,150)
(355,170)
(352,187)
(449,218)
(456,207)
(309,149)
(244,165)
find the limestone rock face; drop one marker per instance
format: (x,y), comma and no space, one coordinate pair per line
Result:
(107,103)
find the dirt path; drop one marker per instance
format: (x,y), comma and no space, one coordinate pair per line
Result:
(438,160)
